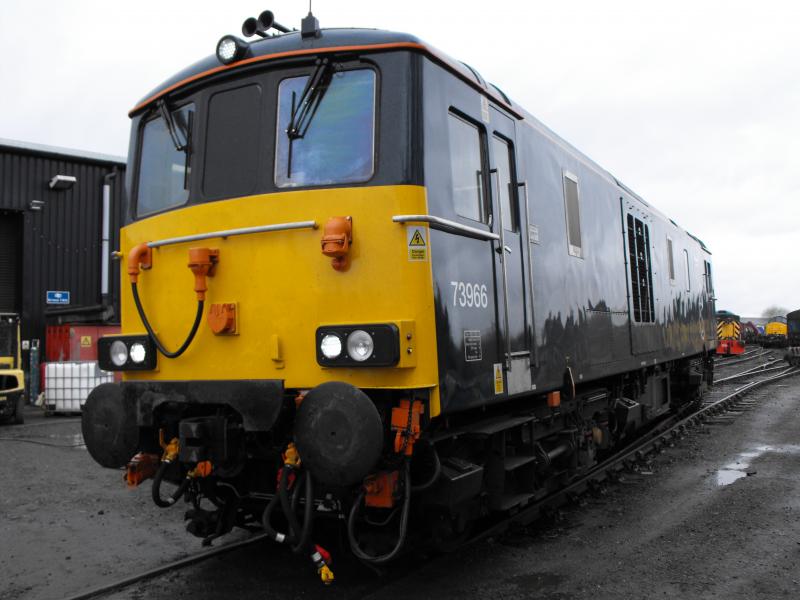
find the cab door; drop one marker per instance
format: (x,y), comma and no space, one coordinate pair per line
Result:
(512,283)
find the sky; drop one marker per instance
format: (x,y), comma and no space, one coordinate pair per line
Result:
(694,105)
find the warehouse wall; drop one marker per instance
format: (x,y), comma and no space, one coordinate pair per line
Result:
(60,245)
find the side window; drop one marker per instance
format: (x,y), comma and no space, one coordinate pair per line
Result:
(466,169)
(572,207)
(233,140)
(688,273)
(708,281)
(641,270)
(507,192)
(670,260)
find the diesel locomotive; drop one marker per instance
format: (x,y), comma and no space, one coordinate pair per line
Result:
(729,334)
(409,306)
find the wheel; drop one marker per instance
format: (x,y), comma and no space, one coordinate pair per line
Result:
(19,412)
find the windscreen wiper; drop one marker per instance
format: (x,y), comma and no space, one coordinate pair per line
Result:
(303,112)
(172,127)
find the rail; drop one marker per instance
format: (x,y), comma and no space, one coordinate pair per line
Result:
(447,226)
(226,233)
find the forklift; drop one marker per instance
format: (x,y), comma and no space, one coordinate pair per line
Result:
(12,379)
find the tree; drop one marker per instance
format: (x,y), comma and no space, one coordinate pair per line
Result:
(774,311)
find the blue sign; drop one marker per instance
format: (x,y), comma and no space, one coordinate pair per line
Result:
(57,297)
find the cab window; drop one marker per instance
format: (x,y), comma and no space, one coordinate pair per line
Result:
(338,144)
(164,166)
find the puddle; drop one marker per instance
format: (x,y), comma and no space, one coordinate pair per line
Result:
(740,466)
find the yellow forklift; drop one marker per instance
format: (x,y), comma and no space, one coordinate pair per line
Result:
(12,379)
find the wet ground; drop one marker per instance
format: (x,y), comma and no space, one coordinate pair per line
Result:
(718,516)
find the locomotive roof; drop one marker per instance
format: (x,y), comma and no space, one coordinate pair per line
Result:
(376,40)
(331,40)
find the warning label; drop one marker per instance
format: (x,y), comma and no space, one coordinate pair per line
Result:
(498,378)
(417,243)
(472,345)
(86,341)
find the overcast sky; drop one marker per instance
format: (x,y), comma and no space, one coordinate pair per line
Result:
(695,105)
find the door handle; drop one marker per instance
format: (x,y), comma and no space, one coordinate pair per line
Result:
(506,248)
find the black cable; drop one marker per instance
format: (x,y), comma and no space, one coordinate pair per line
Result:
(437,472)
(401,537)
(198,317)
(156,489)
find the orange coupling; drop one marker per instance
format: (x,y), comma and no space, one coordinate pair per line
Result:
(171,449)
(381,489)
(406,422)
(222,318)
(336,240)
(203,263)
(142,466)
(291,458)
(202,469)
(140,257)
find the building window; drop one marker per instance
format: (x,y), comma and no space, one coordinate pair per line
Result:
(688,273)
(670,261)
(641,271)
(466,169)
(572,207)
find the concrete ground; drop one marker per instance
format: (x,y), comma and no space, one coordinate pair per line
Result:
(718,516)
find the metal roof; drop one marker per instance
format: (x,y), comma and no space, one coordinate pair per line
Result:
(30,147)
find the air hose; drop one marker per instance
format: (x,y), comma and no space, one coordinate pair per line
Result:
(298,536)
(156,489)
(437,471)
(401,536)
(198,317)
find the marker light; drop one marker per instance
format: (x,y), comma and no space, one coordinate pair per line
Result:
(138,352)
(331,346)
(229,49)
(360,345)
(119,353)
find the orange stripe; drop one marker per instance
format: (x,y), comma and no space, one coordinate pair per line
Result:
(389,46)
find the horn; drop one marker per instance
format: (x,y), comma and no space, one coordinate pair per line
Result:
(250,28)
(266,21)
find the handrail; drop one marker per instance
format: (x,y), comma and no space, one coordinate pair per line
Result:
(447,226)
(226,233)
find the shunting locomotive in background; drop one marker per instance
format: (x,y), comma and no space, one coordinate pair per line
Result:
(793,337)
(411,306)
(729,333)
(775,333)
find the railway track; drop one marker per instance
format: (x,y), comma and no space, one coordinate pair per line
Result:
(665,433)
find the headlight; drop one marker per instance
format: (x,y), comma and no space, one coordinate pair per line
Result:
(118,353)
(363,345)
(126,353)
(360,345)
(138,352)
(331,346)
(229,49)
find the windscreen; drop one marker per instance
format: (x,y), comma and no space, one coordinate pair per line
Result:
(338,145)
(163,167)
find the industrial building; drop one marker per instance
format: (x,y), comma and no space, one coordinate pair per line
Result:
(60,214)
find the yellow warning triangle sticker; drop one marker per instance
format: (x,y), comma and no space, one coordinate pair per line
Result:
(417,239)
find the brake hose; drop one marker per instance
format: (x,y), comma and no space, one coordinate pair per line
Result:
(198,317)
(401,536)
(156,489)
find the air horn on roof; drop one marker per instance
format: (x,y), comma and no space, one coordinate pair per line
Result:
(261,25)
